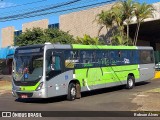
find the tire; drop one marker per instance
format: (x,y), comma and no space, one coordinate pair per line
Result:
(71,92)
(130,82)
(78,91)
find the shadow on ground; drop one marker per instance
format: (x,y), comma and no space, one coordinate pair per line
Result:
(84,94)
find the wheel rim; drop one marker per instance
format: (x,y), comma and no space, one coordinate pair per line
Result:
(73,91)
(130,82)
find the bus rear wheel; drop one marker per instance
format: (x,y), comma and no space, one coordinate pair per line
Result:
(71,92)
(130,82)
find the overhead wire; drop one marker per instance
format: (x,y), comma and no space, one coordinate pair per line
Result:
(34,10)
(60,11)
(42,9)
(46,6)
(18,5)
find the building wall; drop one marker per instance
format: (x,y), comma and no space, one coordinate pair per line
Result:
(156,14)
(40,23)
(83,22)
(7,36)
(143,43)
(158,46)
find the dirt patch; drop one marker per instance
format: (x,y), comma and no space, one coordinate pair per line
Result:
(148,100)
(5,87)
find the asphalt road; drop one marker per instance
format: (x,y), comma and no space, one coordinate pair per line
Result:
(108,99)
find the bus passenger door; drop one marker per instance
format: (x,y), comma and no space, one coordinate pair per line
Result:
(54,68)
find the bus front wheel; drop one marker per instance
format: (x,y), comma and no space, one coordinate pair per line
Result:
(130,82)
(71,92)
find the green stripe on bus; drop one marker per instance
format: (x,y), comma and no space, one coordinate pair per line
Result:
(29,88)
(111,74)
(77,46)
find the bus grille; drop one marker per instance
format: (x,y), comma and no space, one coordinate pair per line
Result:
(28,94)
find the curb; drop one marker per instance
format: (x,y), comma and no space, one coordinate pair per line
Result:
(157,74)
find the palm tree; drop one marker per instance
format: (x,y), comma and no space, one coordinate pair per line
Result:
(120,12)
(142,11)
(127,7)
(105,19)
(119,18)
(88,40)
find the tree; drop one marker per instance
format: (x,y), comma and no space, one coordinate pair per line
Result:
(142,11)
(114,20)
(40,36)
(88,40)
(121,14)
(105,18)
(127,8)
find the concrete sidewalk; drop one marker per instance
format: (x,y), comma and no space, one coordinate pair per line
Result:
(5,77)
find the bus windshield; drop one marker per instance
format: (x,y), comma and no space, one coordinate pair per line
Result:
(27,68)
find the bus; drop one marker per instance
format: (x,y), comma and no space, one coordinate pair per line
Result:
(49,70)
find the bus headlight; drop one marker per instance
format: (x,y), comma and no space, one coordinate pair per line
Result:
(39,86)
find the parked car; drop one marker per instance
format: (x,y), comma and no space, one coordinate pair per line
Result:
(157,66)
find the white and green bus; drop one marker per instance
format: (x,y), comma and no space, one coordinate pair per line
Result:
(49,70)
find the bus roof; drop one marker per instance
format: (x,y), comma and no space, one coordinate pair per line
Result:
(78,46)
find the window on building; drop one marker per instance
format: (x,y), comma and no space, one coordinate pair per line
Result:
(17,33)
(56,25)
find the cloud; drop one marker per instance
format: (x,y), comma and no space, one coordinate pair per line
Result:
(6,4)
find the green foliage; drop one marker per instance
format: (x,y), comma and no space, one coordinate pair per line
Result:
(118,39)
(105,18)
(142,11)
(88,40)
(40,36)
(120,15)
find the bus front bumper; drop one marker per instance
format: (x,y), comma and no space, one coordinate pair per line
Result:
(28,94)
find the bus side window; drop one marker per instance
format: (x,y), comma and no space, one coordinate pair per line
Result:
(125,57)
(135,58)
(114,57)
(55,65)
(53,62)
(146,56)
(70,59)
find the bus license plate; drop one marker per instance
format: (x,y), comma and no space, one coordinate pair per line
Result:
(24,96)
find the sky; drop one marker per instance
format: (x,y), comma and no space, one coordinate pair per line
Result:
(11,7)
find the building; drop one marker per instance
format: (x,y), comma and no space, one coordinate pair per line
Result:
(9,33)
(8,40)
(83,22)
